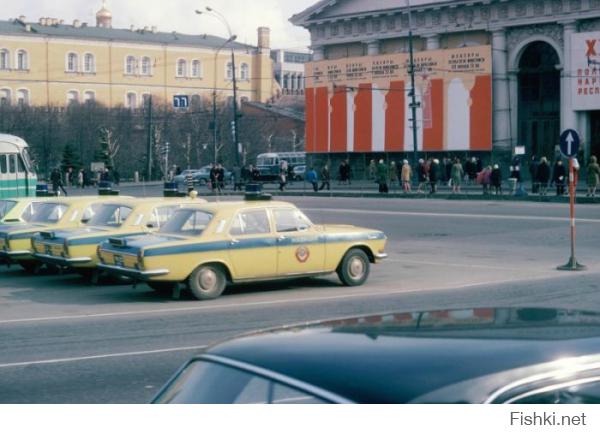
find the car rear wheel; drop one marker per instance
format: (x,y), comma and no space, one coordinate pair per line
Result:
(162,287)
(354,268)
(207,282)
(28,266)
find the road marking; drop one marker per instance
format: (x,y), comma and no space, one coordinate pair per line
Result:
(448,215)
(100,356)
(450,264)
(369,293)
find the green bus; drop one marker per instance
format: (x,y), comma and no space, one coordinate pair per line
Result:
(17,175)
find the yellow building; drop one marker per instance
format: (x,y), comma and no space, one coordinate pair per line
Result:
(53,63)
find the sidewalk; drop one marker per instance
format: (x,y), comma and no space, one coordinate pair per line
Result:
(368,189)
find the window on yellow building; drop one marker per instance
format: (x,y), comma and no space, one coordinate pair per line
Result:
(89,63)
(72,62)
(5,97)
(229,71)
(196,69)
(245,72)
(131,100)
(72,97)
(89,96)
(181,67)
(22,97)
(130,65)
(145,99)
(146,66)
(4,59)
(22,60)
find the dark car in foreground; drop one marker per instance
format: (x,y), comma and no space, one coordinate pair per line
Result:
(489,355)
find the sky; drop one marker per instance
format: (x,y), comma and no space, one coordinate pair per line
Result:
(244,16)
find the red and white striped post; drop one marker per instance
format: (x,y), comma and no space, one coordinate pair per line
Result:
(572,265)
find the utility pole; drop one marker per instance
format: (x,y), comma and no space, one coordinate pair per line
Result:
(149,145)
(413,94)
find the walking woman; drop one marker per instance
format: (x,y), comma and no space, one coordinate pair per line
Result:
(457,176)
(593,177)
(406,176)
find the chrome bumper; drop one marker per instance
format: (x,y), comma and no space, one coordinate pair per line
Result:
(380,256)
(59,260)
(14,253)
(130,272)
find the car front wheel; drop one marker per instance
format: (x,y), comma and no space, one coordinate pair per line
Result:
(207,282)
(354,268)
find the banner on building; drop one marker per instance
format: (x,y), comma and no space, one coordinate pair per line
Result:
(362,104)
(585,53)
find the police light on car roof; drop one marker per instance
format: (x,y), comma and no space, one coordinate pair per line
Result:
(254,192)
(118,242)
(47,235)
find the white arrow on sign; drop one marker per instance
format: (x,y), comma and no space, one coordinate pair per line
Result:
(570,140)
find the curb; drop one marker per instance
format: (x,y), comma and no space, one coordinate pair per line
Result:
(439,196)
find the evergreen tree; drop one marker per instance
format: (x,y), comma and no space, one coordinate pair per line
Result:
(69,158)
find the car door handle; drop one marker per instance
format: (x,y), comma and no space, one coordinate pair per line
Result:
(281,238)
(234,242)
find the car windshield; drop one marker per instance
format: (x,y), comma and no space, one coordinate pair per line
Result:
(187,222)
(112,215)
(48,212)
(210,383)
(6,206)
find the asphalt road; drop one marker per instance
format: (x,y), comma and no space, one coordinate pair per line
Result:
(64,341)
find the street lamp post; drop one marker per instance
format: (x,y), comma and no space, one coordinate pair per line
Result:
(223,20)
(413,103)
(214,96)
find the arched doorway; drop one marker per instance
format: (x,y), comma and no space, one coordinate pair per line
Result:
(539,99)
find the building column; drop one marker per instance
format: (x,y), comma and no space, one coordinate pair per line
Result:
(501,131)
(292,83)
(373,47)
(568,117)
(432,42)
(318,53)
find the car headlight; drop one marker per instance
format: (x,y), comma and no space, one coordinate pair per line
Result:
(65,248)
(98,254)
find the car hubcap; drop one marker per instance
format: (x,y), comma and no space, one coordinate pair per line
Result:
(356,268)
(208,280)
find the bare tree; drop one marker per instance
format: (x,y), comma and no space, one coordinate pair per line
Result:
(110,145)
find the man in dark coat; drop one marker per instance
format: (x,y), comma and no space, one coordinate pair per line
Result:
(559,177)
(434,170)
(543,175)
(533,167)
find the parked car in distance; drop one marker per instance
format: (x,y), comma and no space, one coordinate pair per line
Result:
(299,172)
(213,244)
(180,179)
(202,177)
(488,355)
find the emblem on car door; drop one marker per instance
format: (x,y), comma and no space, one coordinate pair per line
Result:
(302,254)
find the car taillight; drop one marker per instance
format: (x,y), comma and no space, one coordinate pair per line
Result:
(98,254)
(140,260)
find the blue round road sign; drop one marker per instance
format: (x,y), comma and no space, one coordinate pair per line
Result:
(569,143)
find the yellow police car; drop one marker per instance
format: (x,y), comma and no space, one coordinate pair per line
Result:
(76,246)
(19,210)
(15,238)
(213,244)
